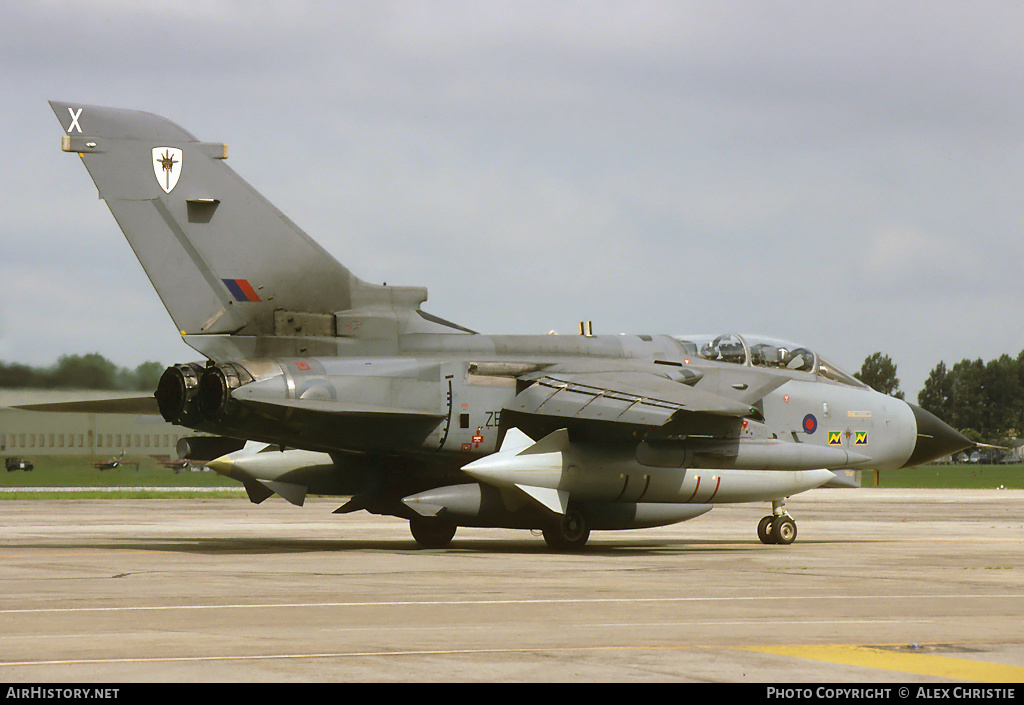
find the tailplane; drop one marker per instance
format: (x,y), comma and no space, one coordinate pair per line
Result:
(221,257)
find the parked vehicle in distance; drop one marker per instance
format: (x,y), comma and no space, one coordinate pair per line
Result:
(13,464)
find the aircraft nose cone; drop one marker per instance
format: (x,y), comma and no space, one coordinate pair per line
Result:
(935,438)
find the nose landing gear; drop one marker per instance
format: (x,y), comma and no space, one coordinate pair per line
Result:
(778,527)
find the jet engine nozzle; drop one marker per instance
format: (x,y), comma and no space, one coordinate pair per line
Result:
(176,392)
(215,387)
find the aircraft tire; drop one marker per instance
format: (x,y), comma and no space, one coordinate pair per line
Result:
(569,533)
(764,530)
(783,530)
(432,533)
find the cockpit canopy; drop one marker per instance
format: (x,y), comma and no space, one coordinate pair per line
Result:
(764,352)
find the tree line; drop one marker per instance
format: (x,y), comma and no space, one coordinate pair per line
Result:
(982,400)
(92,371)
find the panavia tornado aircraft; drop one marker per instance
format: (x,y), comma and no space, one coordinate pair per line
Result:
(352,389)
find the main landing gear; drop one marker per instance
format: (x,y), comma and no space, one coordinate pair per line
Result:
(569,532)
(778,527)
(432,532)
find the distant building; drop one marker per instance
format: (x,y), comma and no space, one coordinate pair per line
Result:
(25,433)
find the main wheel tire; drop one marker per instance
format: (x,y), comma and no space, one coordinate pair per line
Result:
(764,530)
(432,533)
(569,533)
(783,530)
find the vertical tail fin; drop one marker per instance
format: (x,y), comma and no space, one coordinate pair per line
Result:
(220,256)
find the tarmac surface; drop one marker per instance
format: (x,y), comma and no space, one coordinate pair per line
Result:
(881,586)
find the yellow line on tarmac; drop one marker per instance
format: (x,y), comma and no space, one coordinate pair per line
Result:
(924,664)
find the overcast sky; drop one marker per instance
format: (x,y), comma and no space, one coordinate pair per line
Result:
(845,175)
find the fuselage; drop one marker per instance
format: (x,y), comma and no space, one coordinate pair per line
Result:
(451,397)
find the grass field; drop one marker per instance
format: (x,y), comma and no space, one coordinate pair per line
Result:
(134,471)
(967,476)
(56,471)
(144,471)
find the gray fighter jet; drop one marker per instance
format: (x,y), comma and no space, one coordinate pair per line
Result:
(412,416)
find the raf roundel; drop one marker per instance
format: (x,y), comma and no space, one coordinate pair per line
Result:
(810,423)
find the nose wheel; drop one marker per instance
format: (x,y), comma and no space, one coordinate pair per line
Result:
(778,527)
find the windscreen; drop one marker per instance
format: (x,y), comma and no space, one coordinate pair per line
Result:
(765,352)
